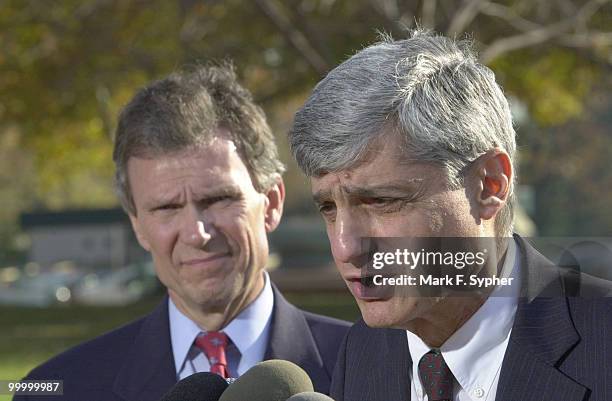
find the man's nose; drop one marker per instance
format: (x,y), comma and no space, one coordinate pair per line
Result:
(196,227)
(347,240)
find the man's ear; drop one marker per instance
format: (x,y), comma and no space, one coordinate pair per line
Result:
(494,174)
(275,199)
(139,233)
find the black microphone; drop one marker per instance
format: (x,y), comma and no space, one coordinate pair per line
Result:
(203,386)
(273,380)
(309,396)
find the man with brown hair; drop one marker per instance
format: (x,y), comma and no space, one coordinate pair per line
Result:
(198,173)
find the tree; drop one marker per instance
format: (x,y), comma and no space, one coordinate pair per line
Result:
(67,68)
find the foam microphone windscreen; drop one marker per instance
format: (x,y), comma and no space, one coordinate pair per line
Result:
(309,396)
(273,380)
(203,386)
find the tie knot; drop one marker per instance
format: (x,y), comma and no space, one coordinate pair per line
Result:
(436,377)
(213,345)
(212,339)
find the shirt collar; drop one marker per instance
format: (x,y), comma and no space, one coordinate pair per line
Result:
(475,352)
(248,330)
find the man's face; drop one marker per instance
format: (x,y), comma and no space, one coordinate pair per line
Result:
(205,225)
(388,196)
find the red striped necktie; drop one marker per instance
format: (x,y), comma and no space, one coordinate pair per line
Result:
(213,345)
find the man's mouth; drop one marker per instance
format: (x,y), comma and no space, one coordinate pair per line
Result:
(366,280)
(363,288)
(205,260)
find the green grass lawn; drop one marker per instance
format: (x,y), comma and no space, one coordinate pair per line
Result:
(30,336)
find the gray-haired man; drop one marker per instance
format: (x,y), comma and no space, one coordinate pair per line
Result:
(414,138)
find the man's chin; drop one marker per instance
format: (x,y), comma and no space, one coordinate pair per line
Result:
(388,313)
(382,322)
(209,297)
(377,314)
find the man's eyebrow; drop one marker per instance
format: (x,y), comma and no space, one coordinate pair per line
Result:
(395,188)
(321,196)
(232,191)
(162,200)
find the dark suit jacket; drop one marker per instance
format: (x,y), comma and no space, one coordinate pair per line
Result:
(560,348)
(135,362)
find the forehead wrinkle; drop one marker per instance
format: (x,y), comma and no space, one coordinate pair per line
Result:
(163,197)
(387,186)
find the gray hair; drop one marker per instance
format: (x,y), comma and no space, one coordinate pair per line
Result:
(429,89)
(184,111)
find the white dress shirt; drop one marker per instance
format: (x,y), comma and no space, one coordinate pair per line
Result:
(475,352)
(248,332)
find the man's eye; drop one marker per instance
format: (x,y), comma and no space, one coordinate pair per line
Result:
(169,206)
(327,209)
(378,201)
(385,205)
(217,200)
(221,198)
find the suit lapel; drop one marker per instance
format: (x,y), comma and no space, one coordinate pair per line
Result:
(148,372)
(376,366)
(398,357)
(542,336)
(291,339)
